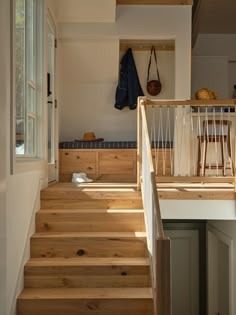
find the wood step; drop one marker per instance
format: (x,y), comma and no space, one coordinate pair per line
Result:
(89,244)
(85,301)
(89,220)
(87,272)
(69,195)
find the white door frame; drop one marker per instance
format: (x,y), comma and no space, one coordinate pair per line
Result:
(52,165)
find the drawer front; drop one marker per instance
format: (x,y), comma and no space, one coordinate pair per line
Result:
(89,168)
(117,162)
(75,162)
(76,156)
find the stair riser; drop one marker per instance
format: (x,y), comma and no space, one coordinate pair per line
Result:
(82,222)
(87,276)
(78,194)
(85,307)
(91,204)
(93,247)
(74,281)
(86,270)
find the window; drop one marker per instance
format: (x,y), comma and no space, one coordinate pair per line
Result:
(27,78)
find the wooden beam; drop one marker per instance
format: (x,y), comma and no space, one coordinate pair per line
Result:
(194,179)
(184,194)
(154,2)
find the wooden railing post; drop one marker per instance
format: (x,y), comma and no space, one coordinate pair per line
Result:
(141,101)
(163,274)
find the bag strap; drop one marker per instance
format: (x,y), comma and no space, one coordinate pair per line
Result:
(150,61)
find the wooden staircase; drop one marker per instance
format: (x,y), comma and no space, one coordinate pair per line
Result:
(88,255)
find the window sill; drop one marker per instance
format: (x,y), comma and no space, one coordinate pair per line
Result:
(23,165)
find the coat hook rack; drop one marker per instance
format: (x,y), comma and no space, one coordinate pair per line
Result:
(143,47)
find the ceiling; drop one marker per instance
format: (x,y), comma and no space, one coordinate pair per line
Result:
(209,16)
(215,16)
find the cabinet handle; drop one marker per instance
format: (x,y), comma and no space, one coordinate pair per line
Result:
(78,157)
(66,153)
(116,157)
(89,168)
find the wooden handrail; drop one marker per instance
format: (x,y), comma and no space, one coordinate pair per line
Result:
(139,144)
(157,207)
(200,103)
(160,253)
(153,178)
(145,128)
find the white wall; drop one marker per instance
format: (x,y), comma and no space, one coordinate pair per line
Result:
(85,11)
(210,72)
(19,192)
(198,209)
(23,200)
(4,131)
(89,68)
(51,5)
(218,45)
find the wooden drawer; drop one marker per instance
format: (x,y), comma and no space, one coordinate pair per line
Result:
(75,161)
(117,162)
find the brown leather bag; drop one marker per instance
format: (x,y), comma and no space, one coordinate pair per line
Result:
(153,86)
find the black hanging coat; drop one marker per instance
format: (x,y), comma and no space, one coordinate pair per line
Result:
(129,87)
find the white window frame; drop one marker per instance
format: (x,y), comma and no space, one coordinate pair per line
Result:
(33,147)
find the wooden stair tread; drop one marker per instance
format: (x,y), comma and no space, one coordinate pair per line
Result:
(86,293)
(88,261)
(63,210)
(114,235)
(68,186)
(71,191)
(85,195)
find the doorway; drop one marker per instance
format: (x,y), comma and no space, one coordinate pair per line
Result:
(188,266)
(219,273)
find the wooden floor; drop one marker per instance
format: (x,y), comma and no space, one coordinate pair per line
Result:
(166,190)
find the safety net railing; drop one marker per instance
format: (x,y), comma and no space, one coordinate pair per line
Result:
(194,139)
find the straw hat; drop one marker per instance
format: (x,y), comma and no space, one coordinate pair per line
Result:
(205,94)
(90,136)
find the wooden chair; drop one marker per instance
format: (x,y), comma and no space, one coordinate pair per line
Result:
(215,131)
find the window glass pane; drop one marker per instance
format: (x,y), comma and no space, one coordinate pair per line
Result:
(20,75)
(31,39)
(31,136)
